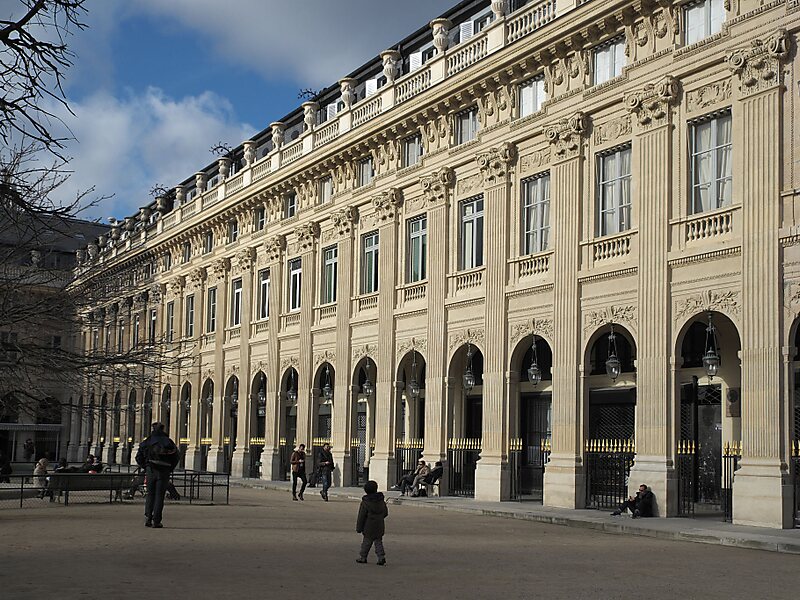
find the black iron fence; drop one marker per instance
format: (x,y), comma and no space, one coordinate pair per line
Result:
(796,479)
(527,464)
(359,454)
(316,445)
(285,452)
(608,466)
(463,455)
(256,450)
(731,455)
(686,458)
(119,483)
(406,455)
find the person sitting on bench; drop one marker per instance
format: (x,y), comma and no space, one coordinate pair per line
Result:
(640,506)
(430,479)
(410,480)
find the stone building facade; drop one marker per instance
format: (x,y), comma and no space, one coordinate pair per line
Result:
(551,183)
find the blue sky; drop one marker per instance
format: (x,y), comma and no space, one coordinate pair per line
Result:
(156,83)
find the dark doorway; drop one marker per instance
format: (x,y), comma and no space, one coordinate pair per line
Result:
(612,414)
(701,423)
(473,417)
(534,431)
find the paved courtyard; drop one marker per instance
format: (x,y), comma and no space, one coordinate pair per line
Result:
(265,545)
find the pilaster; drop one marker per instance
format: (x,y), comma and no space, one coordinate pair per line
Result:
(270,458)
(564,477)
(308,236)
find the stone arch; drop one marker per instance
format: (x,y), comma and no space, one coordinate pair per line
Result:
(258,395)
(323,404)
(410,410)
(465,407)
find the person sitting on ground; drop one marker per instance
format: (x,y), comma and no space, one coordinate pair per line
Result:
(640,506)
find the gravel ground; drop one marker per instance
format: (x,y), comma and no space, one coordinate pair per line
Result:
(266,545)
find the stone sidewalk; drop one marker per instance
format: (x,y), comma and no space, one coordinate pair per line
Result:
(700,530)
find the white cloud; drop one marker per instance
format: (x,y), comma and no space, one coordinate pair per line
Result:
(125,146)
(313,42)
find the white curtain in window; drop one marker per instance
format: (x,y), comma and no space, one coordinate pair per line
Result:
(702,167)
(625,191)
(724,168)
(695,22)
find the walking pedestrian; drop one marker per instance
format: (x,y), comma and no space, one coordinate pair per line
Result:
(326,466)
(40,473)
(298,461)
(159,456)
(371,514)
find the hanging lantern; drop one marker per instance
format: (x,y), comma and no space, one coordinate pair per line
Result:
(413,386)
(534,371)
(327,390)
(469,376)
(291,393)
(613,365)
(210,400)
(367,388)
(711,357)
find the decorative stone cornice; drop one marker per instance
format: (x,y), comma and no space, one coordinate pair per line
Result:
(496,163)
(758,67)
(652,105)
(387,204)
(343,220)
(436,187)
(567,135)
(306,234)
(274,247)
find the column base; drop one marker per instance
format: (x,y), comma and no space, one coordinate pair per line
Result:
(73,453)
(110,456)
(564,483)
(762,495)
(382,470)
(492,479)
(119,455)
(342,475)
(662,481)
(216,461)
(240,465)
(194,459)
(271,465)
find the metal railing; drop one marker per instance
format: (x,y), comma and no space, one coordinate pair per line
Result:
(517,463)
(285,453)
(359,471)
(608,466)
(256,450)
(463,455)
(686,458)
(406,455)
(731,455)
(796,478)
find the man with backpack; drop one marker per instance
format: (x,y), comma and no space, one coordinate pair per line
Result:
(158,455)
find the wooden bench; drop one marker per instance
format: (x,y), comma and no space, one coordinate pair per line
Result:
(64,483)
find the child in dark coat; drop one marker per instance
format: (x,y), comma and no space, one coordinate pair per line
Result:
(371,514)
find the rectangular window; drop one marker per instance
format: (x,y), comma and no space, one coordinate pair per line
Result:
(167,261)
(211,311)
(531,96)
(365,172)
(233,230)
(236,302)
(412,150)
(170,320)
(369,263)
(289,205)
(481,23)
(614,188)
(712,171)
(325,189)
(263,294)
(703,19)
(190,316)
(472,233)
(330,274)
(609,58)
(208,242)
(295,283)
(260,218)
(535,214)
(121,336)
(466,125)
(417,249)
(151,336)
(187,252)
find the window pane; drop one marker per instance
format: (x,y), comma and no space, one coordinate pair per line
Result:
(717,17)
(695,23)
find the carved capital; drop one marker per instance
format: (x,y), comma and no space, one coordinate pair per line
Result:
(387,203)
(436,187)
(306,234)
(218,270)
(196,278)
(567,135)
(495,163)
(244,259)
(176,285)
(759,67)
(652,105)
(274,247)
(343,220)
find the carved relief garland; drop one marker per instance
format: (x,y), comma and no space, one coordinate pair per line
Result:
(613,130)
(708,300)
(418,344)
(542,327)
(472,336)
(535,161)
(708,95)
(290,361)
(626,315)
(367,350)
(325,357)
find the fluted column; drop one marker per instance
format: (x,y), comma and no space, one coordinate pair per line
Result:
(270,457)
(308,236)
(492,481)
(217,276)
(651,110)
(762,495)
(564,479)
(436,190)
(240,463)
(386,207)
